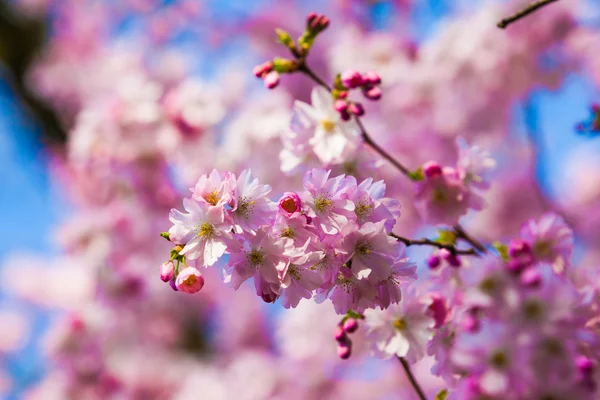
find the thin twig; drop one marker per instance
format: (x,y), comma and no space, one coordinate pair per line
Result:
(536,5)
(412,379)
(428,242)
(461,234)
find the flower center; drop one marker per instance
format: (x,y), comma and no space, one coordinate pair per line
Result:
(532,309)
(400,324)
(328,125)
(499,360)
(322,203)
(255,257)
(542,248)
(289,205)
(438,196)
(363,209)
(212,198)
(206,230)
(190,280)
(288,233)
(244,207)
(363,249)
(294,272)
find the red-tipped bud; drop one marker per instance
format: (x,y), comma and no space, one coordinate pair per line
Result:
(585,366)
(345,115)
(431,169)
(351,79)
(450,258)
(167,270)
(373,93)
(350,325)
(434,261)
(271,79)
(372,78)
(518,248)
(340,105)
(339,333)
(310,18)
(262,69)
(356,109)
(344,352)
(342,95)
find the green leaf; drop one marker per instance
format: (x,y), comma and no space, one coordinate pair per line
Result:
(417,175)
(446,237)
(502,249)
(442,394)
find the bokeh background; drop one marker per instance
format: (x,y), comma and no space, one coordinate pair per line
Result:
(33,202)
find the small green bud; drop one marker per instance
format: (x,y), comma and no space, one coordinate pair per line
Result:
(417,175)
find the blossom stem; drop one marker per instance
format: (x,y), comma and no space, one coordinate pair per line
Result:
(461,234)
(524,12)
(412,379)
(428,242)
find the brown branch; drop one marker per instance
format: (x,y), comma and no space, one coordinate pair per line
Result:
(536,5)
(428,242)
(412,378)
(461,234)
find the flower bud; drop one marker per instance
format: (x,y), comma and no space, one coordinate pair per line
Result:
(372,93)
(450,258)
(340,333)
(271,79)
(434,261)
(518,248)
(344,352)
(340,105)
(345,115)
(167,270)
(350,325)
(438,309)
(372,78)
(584,365)
(356,109)
(289,204)
(431,169)
(470,323)
(311,18)
(189,280)
(515,267)
(262,69)
(173,285)
(351,79)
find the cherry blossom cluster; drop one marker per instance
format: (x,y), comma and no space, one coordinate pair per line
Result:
(444,194)
(351,79)
(513,325)
(330,241)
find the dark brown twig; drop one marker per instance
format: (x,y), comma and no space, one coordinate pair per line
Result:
(428,242)
(461,234)
(536,5)
(412,379)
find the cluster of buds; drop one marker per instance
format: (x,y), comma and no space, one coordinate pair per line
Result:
(187,280)
(270,71)
(520,262)
(349,324)
(269,76)
(349,80)
(592,127)
(435,260)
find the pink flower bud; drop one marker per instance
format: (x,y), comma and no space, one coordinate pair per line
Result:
(311,18)
(262,69)
(531,278)
(339,333)
(372,93)
(584,365)
(518,247)
(340,105)
(173,285)
(344,352)
(350,325)
(269,297)
(372,78)
(450,258)
(167,269)
(356,109)
(342,95)
(289,204)
(515,267)
(470,323)
(434,261)
(345,115)
(438,309)
(431,169)
(189,280)
(351,79)
(271,79)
